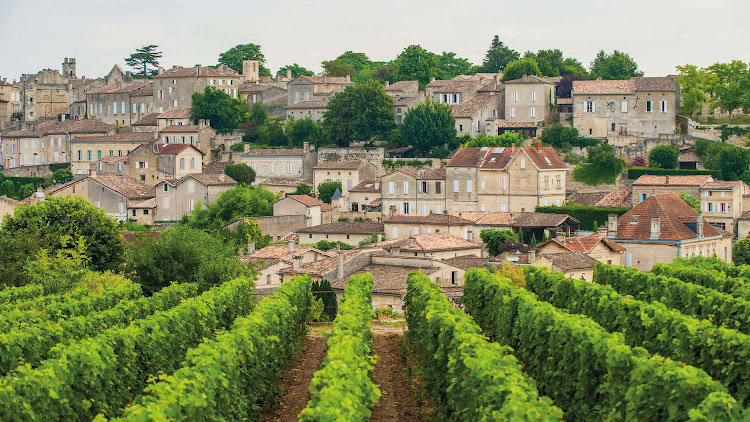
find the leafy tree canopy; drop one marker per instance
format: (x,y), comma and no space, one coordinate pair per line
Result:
(304,130)
(302,189)
(327,189)
(296,70)
(450,66)
(520,67)
(240,201)
(499,241)
(360,113)
(692,81)
(600,167)
(61,176)
(617,65)
(690,200)
(741,252)
(224,112)
(272,133)
(505,140)
(240,172)
(730,83)
(428,125)
(143,58)
(497,57)
(664,156)
(258,117)
(233,58)
(416,63)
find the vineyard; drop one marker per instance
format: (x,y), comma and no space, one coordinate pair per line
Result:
(670,345)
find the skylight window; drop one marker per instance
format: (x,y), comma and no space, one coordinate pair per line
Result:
(547,160)
(634,219)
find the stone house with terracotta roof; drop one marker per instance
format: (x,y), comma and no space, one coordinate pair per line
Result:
(402,89)
(109,166)
(363,197)
(287,163)
(271,259)
(640,106)
(120,104)
(596,246)
(743,225)
(402,105)
(7,206)
(527,102)
(10,102)
(349,173)
(618,198)
(153,161)
(648,185)
(400,225)
(477,114)
(176,198)
(409,191)
(283,186)
(505,179)
(47,141)
(273,96)
(454,91)
(350,232)
(313,110)
(173,88)
(664,227)
(86,151)
(723,202)
(315,88)
(431,245)
(147,123)
(315,211)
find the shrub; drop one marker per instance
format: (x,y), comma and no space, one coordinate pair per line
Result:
(664,156)
(589,216)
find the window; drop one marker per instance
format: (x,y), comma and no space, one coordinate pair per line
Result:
(307,96)
(422,187)
(438,209)
(406,188)
(613,127)
(191,188)
(523,163)
(79,155)
(437,187)
(394,232)
(559,182)
(515,96)
(482,184)
(424,209)
(88,154)
(122,109)
(166,187)
(588,106)
(546,182)
(455,208)
(511,112)
(270,167)
(135,108)
(221,81)
(502,183)
(455,171)
(98,154)
(143,178)
(642,197)
(494,113)
(532,112)
(503,207)
(406,208)
(174,103)
(114,107)
(100,166)
(624,106)
(191,204)
(171,89)
(648,105)
(182,164)
(119,167)
(192,163)
(252,164)
(478,125)
(391,188)
(468,186)
(663,106)
(533,96)
(469,208)
(455,186)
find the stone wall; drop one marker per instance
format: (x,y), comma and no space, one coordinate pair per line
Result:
(279,226)
(41,170)
(374,156)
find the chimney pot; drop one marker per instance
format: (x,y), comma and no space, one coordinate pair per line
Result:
(339,262)
(412,242)
(289,74)
(532,255)
(655,227)
(297,262)
(380,237)
(432,79)
(291,246)
(612,225)
(387,83)
(699,226)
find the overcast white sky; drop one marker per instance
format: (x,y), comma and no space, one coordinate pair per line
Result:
(659,34)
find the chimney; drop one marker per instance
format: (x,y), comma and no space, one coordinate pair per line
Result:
(655,227)
(392,210)
(348,78)
(539,146)
(532,255)
(432,79)
(602,232)
(324,78)
(667,181)
(250,247)
(339,262)
(306,147)
(524,76)
(291,246)
(289,74)
(380,237)
(222,178)
(699,226)
(560,236)
(297,262)
(160,71)
(612,225)
(470,235)
(197,70)
(387,83)
(396,250)
(39,190)
(412,242)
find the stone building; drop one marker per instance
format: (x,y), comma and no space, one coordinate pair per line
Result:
(283,186)
(85,151)
(452,92)
(400,225)
(349,232)
(477,114)
(271,259)
(154,161)
(272,95)
(176,198)
(147,123)
(505,179)
(364,196)
(7,206)
(401,106)
(648,185)
(663,227)
(10,103)
(596,246)
(413,191)
(349,173)
(315,211)
(313,110)
(402,89)
(120,104)
(643,107)
(528,101)
(723,203)
(315,88)
(173,88)
(288,163)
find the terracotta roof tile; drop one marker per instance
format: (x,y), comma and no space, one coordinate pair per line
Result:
(529,79)
(467,261)
(113,159)
(122,88)
(605,87)
(279,252)
(406,102)
(387,279)
(455,86)
(429,242)
(181,128)
(215,167)
(690,180)
(124,137)
(544,158)
(148,120)
(403,86)
(148,203)
(307,105)
(423,173)
(281,181)
(303,199)
(571,260)
(587,199)
(367,186)
(323,266)
(350,227)
(619,198)
(173,149)
(176,113)
(475,104)
(584,244)
(486,218)
(339,165)
(723,185)
(690,157)
(662,83)
(127,186)
(189,72)
(342,80)
(213,179)
(674,216)
(438,219)
(50,127)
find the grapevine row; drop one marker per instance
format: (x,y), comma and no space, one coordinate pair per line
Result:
(720,352)
(102,374)
(229,378)
(589,372)
(31,345)
(688,298)
(471,378)
(710,278)
(342,389)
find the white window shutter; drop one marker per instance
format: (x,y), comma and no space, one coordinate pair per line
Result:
(593,107)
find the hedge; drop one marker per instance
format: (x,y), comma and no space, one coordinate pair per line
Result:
(713,279)
(588,372)
(102,374)
(688,298)
(341,390)
(721,353)
(57,166)
(16,294)
(470,378)
(636,172)
(589,216)
(229,378)
(714,263)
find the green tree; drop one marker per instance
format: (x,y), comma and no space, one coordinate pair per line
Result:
(325,245)
(61,176)
(499,241)
(360,113)
(550,62)
(327,189)
(358,61)
(428,125)
(573,67)
(272,133)
(247,231)
(57,221)
(505,140)
(240,172)
(304,130)
(8,188)
(497,57)
(741,252)
(617,65)
(733,162)
(58,272)
(323,291)
(690,200)
(302,189)
(26,190)
(416,63)
(692,93)
(182,255)
(258,117)
(143,58)
(516,69)
(234,57)
(730,83)
(224,112)
(600,167)
(240,201)
(337,68)
(449,65)
(664,156)
(558,135)
(296,70)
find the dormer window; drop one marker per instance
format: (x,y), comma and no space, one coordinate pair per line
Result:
(634,219)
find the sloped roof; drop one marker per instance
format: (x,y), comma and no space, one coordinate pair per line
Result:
(323,266)
(181,128)
(472,106)
(618,198)
(387,279)
(454,85)
(429,242)
(349,227)
(431,218)
(112,159)
(486,218)
(603,87)
(173,149)
(571,260)
(127,186)
(671,180)
(327,79)
(544,158)
(529,79)
(467,261)
(280,251)
(176,113)
(541,219)
(690,157)
(423,173)
(406,102)
(49,127)
(148,120)
(121,88)
(124,137)
(282,181)
(306,200)
(212,179)
(660,83)
(674,216)
(339,165)
(403,86)
(285,152)
(188,72)
(367,186)
(723,184)
(148,204)
(584,244)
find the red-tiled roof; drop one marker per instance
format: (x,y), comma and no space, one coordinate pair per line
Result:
(176,113)
(127,186)
(366,186)
(181,129)
(148,120)
(529,79)
(121,88)
(429,242)
(345,228)
(619,198)
(723,184)
(339,165)
(467,261)
(674,216)
(50,127)
(213,179)
(605,87)
(281,181)
(690,180)
(662,83)
(437,219)
(387,279)
(307,105)
(403,86)
(544,158)
(303,199)
(474,105)
(571,260)
(173,149)
(584,244)
(189,72)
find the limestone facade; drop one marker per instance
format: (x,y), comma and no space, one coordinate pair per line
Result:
(120,104)
(173,88)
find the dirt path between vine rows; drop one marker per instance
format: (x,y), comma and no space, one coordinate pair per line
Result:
(398,402)
(295,381)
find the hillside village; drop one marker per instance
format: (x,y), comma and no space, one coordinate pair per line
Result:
(419,238)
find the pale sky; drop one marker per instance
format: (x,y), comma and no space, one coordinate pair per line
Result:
(658,34)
